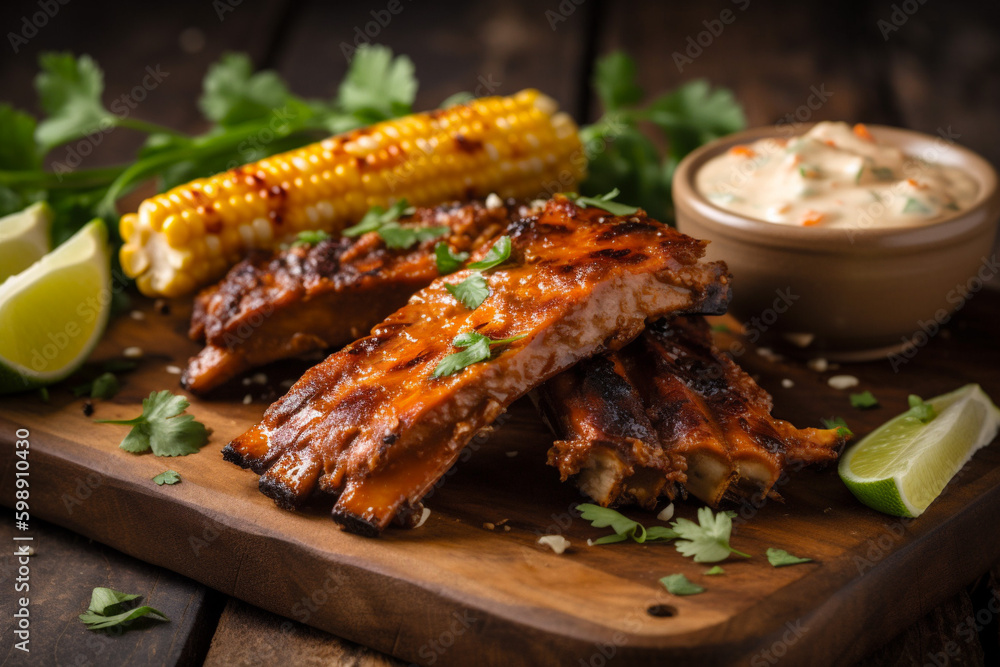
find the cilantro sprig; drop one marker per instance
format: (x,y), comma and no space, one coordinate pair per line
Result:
(624,528)
(919,409)
(167,477)
(472,291)
(622,155)
(310,238)
(781,558)
(162,428)
(843,430)
(708,540)
(108,609)
(476,348)
(863,400)
(678,584)
(605,202)
(446,260)
(386,223)
(241,106)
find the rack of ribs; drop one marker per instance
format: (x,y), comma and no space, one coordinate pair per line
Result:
(372,424)
(279,305)
(685,400)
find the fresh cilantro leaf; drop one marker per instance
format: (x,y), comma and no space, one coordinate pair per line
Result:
(448,261)
(614,81)
(471,292)
(838,423)
(161,429)
(476,348)
(107,609)
(105,386)
(167,477)
(232,93)
(865,399)
(399,237)
(462,97)
(624,527)
(377,84)
(18,149)
(605,202)
(310,238)
(919,409)
(694,115)
(678,584)
(707,540)
(69,90)
(715,570)
(376,218)
(781,558)
(498,254)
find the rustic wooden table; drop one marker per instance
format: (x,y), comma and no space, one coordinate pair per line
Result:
(931,67)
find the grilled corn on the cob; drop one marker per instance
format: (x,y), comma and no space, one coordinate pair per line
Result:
(516,146)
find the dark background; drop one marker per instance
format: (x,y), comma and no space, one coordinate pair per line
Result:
(923,66)
(936,65)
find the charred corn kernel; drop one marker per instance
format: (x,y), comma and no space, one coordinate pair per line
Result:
(514,146)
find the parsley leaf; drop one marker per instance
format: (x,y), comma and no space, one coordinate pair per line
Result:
(105,386)
(161,429)
(448,261)
(678,584)
(377,85)
(605,202)
(471,292)
(781,558)
(310,238)
(167,477)
(624,527)
(107,610)
(865,399)
(707,540)
(498,254)
(919,409)
(838,423)
(69,90)
(715,570)
(399,237)
(476,348)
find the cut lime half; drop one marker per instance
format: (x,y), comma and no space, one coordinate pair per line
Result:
(25,237)
(54,312)
(904,464)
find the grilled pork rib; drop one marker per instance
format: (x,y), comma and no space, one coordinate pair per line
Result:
(702,407)
(278,305)
(372,425)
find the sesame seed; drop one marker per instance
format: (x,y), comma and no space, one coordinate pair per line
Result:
(137,315)
(787,384)
(246,382)
(667,513)
(174,370)
(259,378)
(557,543)
(248,399)
(423,517)
(818,364)
(489,526)
(843,381)
(132,352)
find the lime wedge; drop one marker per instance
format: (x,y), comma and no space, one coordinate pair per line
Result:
(54,312)
(904,464)
(24,238)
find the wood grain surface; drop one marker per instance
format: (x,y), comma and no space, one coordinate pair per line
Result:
(453,589)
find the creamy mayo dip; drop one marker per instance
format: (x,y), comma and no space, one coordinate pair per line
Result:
(834,176)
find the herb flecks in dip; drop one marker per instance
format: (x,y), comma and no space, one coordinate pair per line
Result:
(834,176)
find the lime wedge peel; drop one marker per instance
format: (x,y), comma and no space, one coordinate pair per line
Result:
(904,464)
(25,237)
(55,311)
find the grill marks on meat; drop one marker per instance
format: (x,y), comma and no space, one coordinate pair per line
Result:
(372,426)
(276,306)
(701,407)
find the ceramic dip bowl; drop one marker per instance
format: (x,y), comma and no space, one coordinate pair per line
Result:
(852,293)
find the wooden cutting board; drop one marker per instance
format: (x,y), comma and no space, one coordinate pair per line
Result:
(456,592)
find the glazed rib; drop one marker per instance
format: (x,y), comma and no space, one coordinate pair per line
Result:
(279,305)
(370,423)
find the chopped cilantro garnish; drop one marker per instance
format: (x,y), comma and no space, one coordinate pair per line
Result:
(916,206)
(476,348)
(498,254)
(605,202)
(167,477)
(161,429)
(781,558)
(310,238)
(715,570)
(708,540)
(919,409)
(471,292)
(448,261)
(107,609)
(865,399)
(678,584)
(838,423)
(105,386)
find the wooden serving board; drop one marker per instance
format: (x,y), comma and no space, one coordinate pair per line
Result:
(455,592)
